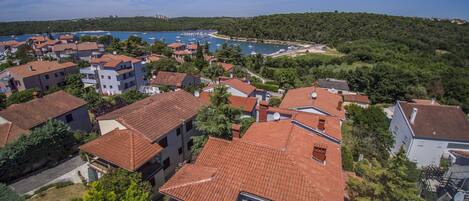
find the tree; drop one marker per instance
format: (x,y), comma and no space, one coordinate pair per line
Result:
(199,61)
(8,195)
(388,183)
(213,71)
(164,64)
(118,184)
(21,96)
(347,159)
(370,134)
(216,119)
(3,101)
(274,101)
(245,124)
(188,68)
(132,96)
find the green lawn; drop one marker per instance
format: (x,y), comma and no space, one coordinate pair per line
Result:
(60,194)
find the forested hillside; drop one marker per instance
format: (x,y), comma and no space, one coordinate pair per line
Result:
(112,24)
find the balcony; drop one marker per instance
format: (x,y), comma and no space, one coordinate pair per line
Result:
(89,81)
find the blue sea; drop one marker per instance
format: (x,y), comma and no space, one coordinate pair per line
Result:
(170,37)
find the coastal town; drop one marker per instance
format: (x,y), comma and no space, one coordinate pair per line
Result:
(97,117)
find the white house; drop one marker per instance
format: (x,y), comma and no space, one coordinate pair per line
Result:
(427,131)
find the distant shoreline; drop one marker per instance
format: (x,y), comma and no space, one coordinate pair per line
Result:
(255,40)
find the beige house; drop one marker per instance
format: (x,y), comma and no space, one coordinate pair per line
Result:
(41,75)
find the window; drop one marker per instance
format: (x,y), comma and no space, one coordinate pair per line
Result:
(152,181)
(189,126)
(102,76)
(125,76)
(163,142)
(178,131)
(56,75)
(189,144)
(180,150)
(62,73)
(126,85)
(110,86)
(104,86)
(166,164)
(108,77)
(69,118)
(46,76)
(47,87)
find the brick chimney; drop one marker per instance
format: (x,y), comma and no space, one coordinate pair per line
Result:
(263,107)
(322,124)
(339,105)
(319,152)
(235,131)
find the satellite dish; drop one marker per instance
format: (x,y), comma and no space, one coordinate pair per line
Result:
(314,95)
(459,196)
(276,116)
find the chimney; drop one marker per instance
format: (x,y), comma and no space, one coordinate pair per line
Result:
(30,68)
(322,124)
(196,93)
(263,107)
(413,115)
(339,105)
(114,52)
(319,152)
(433,101)
(235,131)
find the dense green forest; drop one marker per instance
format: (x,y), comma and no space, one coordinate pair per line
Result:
(113,24)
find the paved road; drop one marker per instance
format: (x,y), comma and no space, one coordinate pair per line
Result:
(41,178)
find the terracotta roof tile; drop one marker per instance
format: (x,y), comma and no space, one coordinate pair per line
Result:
(9,132)
(168,78)
(112,60)
(175,45)
(240,85)
(87,46)
(226,66)
(64,46)
(66,37)
(356,98)
(273,160)
(156,115)
(247,104)
(39,67)
(9,43)
(325,101)
(192,46)
(28,115)
(124,148)
(437,121)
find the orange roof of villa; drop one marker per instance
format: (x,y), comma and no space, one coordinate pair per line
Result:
(247,104)
(124,148)
(156,115)
(24,116)
(192,46)
(356,98)
(325,101)
(112,60)
(38,67)
(168,78)
(66,37)
(226,66)
(240,85)
(87,46)
(175,45)
(273,160)
(64,46)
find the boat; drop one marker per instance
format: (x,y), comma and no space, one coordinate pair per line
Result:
(152,38)
(253,53)
(108,33)
(218,45)
(144,33)
(250,46)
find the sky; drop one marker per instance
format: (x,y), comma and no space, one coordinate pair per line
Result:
(19,10)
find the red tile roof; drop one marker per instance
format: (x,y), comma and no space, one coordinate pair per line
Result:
(192,46)
(112,60)
(66,37)
(64,46)
(168,78)
(325,101)
(182,52)
(240,85)
(154,57)
(437,121)
(156,115)
(356,98)
(9,43)
(87,46)
(273,160)
(28,115)
(39,67)
(425,102)
(226,66)
(9,132)
(247,104)
(124,148)
(175,45)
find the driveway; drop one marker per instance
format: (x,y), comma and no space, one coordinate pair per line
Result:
(65,171)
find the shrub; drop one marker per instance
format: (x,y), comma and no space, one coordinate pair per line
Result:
(54,185)
(274,102)
(7,194)
(347,159)
(268,87)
